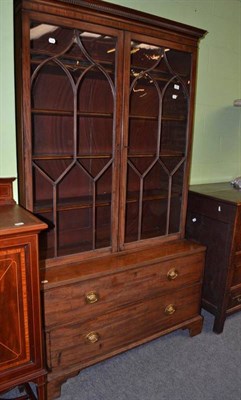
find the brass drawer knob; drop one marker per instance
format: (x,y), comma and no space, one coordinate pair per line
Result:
(92,337)
(91,297)
(170,309)
(172,274)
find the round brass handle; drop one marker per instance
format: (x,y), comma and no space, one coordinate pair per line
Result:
(172,274)
(93,337)
(91,297)
(170,309)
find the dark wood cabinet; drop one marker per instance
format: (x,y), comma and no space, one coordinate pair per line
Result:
(214,219)
(105,101)
(21,350)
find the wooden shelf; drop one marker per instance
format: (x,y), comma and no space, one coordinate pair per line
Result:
(70,157)
(48,53)
(155,118)
(42,111)
(104,156)
(133,197)
(46,206)
(70,62)
(152,155)
(135,68)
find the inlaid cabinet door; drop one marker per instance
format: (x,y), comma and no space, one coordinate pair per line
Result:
(14,331)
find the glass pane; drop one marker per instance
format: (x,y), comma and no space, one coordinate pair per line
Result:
(73,104)
(176,199)
(46,239)
(131,226)
(173,139)
(49,39)
(42,190)
(99,89)
(74,230)
(158,113)
(155,202)
(51,88)
(154,218)
(140,138)
(100,48)
(175,100)
(103,225)
(53,135)
(95,136)
(144,99)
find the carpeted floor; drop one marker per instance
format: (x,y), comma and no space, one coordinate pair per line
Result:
(174,367)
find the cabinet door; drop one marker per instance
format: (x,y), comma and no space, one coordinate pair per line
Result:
(156,138)
(74,135)
(14,309)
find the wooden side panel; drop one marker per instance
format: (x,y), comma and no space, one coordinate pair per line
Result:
(14,333)
(6,191)
(21,358)
(212,228)
(237,235)
(236,279)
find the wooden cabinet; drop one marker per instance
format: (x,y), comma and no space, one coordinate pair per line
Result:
(21,352)
(105,100)
(214,219)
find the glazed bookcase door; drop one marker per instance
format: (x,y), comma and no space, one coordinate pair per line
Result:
(74,136)
(156,139)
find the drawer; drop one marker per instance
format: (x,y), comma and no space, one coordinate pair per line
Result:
(235,298)
(237,270)
(81,343)
(87,299)
(212,208)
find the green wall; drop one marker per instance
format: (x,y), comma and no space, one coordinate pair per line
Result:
(7,117)
(217,131)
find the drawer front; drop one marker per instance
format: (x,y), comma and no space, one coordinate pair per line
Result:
(90,298)
(235,298)
(212,208)
(79,343)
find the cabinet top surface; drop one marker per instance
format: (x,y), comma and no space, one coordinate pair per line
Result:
(14,219)
(222,191)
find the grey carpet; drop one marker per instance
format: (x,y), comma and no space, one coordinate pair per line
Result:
(174,367)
